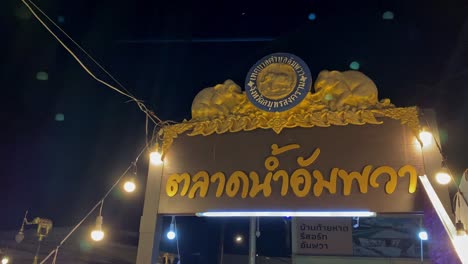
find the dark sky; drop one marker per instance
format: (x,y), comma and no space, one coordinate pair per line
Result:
(164,52)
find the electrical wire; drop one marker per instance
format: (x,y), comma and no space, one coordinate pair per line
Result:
(177,240)
(55,255)
(100,208)
(100,202)
(76,44)
(155,119)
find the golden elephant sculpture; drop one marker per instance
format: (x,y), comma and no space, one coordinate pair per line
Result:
(217,101)
(348,89)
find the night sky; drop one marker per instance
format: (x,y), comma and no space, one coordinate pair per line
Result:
(164,52)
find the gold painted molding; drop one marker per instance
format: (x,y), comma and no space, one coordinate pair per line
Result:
(299,116)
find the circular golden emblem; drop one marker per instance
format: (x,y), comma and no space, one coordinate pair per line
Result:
(276,81)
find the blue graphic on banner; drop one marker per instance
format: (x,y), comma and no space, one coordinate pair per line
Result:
(278,82)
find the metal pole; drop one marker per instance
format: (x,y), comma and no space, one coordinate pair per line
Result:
(221,249)
(252,243)
(422,251)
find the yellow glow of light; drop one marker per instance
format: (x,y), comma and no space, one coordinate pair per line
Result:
(426,138)
(5,260)
(156,158)
(97,235)
(443,177)
(238,239)
(129,186)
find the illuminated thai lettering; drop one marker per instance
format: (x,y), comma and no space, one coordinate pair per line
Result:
(302,182)
(234,183)
(221,178)
(172,185)
(201,183)
(361,178)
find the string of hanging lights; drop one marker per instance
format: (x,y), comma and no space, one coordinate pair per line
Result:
(98,233)
(444,176)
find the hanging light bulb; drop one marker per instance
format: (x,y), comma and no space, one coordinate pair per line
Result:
(156,158)
(423,235)
(5,260)
(443,176)
(171,234)
(20,236)
(425,137)
(97,234)
(238,239)
(129,184)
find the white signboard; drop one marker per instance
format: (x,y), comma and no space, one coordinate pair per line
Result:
(322,236)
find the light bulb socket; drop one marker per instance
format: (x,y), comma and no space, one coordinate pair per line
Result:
(131,178)
(460,227)
(99,220)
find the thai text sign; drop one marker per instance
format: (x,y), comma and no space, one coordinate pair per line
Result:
(372,167)
(322,236)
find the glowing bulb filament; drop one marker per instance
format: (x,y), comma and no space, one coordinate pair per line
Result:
(171,233)
(423,235)
(443,177)
(97,235)
(129,186)
(156,158)
(426,138)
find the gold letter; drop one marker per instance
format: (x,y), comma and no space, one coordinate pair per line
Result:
(307,162)
(271,163)
(391,184)
(321,183)
(202,185)
(257,187)
(233,184)
(348,179)
(285,185)
(222,181)
(275,150)
(413,176)
(301,177)
(172,184)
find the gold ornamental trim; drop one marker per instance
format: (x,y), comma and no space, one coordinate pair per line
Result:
(278,121)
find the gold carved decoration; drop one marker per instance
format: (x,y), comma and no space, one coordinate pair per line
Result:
(340,99)
(278,121)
